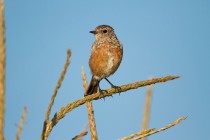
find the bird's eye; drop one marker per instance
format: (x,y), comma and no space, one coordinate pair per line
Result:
(104,31)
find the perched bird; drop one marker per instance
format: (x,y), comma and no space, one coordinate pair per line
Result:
(106,56)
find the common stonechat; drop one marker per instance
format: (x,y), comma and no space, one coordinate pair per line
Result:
(106,56)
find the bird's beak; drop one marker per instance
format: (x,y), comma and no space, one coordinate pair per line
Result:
(93,32)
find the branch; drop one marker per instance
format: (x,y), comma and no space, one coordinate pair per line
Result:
(149,132)
(22,121)
(91,118)
(55,93)
(69,107)
(145,121)
(137,134)
(82,134)
(2,69)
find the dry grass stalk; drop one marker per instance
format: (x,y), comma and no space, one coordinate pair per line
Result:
(43,136)
(69,107)
(130,137)
(22,121)
(147,109)
(143,134)
(89,106)
(2,69)
(82,134)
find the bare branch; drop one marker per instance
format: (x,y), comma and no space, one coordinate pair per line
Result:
(55,93)
(147,109)
(69,107)
(89,106)
(82,134)
(149,132)
(2,69)
(137,134)
(22,121)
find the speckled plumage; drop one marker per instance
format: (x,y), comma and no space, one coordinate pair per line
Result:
(106,56)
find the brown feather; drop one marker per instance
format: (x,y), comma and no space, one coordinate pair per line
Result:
(93,87)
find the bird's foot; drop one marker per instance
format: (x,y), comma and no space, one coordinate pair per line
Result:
(102,93)
(117,88)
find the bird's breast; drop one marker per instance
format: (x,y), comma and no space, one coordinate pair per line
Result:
(105,58)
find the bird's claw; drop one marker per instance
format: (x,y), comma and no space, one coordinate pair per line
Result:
(102,94)
(117,88)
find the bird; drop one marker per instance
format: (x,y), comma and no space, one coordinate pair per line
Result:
(106,56)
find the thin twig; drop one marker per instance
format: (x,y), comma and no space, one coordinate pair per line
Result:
(2,69)
(89,106)
(137,134)
(82,134)
(141,135)
(58,85)
(145,121)
(43,137)
(84,80)
(69,107)
(22,121)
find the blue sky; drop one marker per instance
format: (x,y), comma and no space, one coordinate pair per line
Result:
(160,38)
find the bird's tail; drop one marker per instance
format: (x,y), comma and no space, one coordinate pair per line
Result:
(93,87)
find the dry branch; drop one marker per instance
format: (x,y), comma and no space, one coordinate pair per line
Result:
(43,137)
(2,69)
(69,107)
(149,132)
(82,134)
(91,118)
(145,121)
(22,121)
(137,134)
